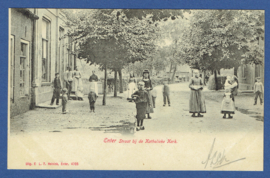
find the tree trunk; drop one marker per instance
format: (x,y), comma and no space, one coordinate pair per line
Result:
(170,70)
(216,80)
(105,86)
(115,83)
(174,71)
(120,79)
(235,70)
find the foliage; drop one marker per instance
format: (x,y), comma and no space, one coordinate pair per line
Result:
(223,38)
(109,37)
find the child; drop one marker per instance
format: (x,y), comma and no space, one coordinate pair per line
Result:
(258,90)
(141,99)
(92,96)
(64,101)
(166,93)
(227,106)
(57,89)
(154,96)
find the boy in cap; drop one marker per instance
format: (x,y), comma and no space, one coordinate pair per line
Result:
(166,93)
(57,89)
(64,101)
(258,90)
(141,99)
(92,96)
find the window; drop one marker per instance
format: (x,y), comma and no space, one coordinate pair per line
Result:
(46,67)
(24,69)
(12,67)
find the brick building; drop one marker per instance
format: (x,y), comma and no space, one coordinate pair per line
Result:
(37,50)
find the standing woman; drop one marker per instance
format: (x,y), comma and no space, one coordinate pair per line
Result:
(78,87)
(131,88)
(148,87)
(196,101)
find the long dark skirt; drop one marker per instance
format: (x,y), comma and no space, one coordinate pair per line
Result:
(197,102)
(141,110)
(148,108)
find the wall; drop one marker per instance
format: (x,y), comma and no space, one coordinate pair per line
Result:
(21,28)
(59,52)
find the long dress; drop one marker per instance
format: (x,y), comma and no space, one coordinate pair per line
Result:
(78,87)
(131,89)
(142,100)
(196,101)
(93,84)
(227,106)
(148,87)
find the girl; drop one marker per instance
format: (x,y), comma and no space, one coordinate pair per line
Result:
(142,100)
(196,102)
(227,106)
(131,88)
(148,87)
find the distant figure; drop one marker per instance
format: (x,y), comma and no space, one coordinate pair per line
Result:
(166,93)
(131,88)
(64,101)
(92,100)
(93,82)
(196,101)
(57,89)
(142,99)
(154,96)
(258,90)
(234,87)
(227,106)
(148,87)
(78,84)
(232,84)
(68,78)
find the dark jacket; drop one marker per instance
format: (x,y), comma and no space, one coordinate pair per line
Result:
(166,89)
(92,96)
(93,78)
(57,83)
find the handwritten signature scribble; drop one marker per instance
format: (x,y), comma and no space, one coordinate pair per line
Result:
(217,159)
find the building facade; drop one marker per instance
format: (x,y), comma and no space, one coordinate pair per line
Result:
(38,48)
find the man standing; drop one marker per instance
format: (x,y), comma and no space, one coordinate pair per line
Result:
(57,89)
(93,82)
(68,78)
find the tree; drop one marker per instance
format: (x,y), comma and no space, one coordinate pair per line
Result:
(222,38)
(110,39)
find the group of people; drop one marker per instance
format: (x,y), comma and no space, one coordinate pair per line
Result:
(145,97)
(197,101)
(74,79)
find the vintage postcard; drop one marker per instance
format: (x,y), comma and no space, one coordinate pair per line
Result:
(136,89)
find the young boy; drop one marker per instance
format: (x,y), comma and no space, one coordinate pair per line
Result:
(92,96)
(64,101)
(258,90)
(166,93)
(57,89)
(141,99)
